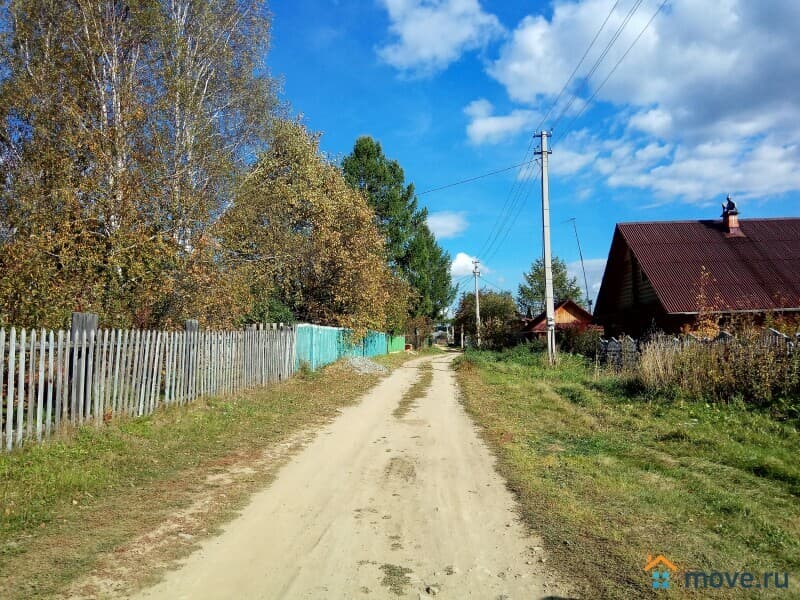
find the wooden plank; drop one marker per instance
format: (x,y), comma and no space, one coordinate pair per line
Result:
(82,353)
(226,365)
(144,369)
(207,367)
(218,366)
(59,404)
(187,366)
(122,382)
(48,416)
(126,378)
(135,372)
(21,388)
(112,349)
(212,364)
(73,413)
(65,415)
(149,371)
(201,364)
(176,368)
(108,377)
(100,393)
(155,394)
(195,363)
(180,379)
(12,350)
(117,359)
(237,339)
(192,365)
(174,361)
(167,367)
(147,376)
(31,384)
(2,378)
(90,373)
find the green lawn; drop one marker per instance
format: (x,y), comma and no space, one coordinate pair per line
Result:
(608,477)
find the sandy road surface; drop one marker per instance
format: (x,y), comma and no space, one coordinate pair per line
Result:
(377,507)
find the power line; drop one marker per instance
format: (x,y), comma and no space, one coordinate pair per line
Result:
(520,206)
(621,58)
(506,220)
(601,58)
(580,62)
(475,178)
(507,204)
(494,285)
(498,234)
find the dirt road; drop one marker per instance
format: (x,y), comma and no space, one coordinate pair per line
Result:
(377,506)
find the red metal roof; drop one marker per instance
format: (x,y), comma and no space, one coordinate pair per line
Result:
(757,272)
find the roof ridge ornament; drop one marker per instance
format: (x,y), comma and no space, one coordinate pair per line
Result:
(729,207)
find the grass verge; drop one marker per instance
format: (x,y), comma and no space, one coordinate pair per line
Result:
(416,391)
(608,478)
(65,504)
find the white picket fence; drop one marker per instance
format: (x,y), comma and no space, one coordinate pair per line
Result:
(49,380)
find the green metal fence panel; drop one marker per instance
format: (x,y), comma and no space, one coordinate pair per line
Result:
(397,343)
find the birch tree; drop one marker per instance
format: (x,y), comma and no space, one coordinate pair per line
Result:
(124,126)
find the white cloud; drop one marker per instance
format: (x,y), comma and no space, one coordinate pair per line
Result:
(595,267)
(655,121)
(462,265)
(429,35)
(706,102)
(486,128)
(447,224)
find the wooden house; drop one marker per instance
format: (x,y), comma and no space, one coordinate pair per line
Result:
(664,274)
(568,314)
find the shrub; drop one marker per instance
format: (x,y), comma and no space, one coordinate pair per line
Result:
(743,367)
(578,340)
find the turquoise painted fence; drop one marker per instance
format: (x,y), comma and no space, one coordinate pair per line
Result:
(319,345)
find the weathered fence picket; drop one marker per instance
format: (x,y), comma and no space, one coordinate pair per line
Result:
(51,379)
(12,349)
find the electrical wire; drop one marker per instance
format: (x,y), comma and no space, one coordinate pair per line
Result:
(578,66)
(634,8)
(621,58)
(516,197)
(475,178)
(506,221)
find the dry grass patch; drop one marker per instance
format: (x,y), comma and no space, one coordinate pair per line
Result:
(416,391)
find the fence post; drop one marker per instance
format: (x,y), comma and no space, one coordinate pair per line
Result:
(191,327)
(81,322)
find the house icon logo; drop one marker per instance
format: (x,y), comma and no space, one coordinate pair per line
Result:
(661,570)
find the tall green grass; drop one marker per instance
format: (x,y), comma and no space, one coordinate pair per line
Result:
(608,472)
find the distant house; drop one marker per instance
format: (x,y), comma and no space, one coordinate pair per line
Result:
(568,314)
(666,273)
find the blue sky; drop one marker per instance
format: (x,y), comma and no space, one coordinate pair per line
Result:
(706,103)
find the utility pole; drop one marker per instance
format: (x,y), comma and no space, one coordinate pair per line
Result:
(583,268)
(548,258)
(477,274)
